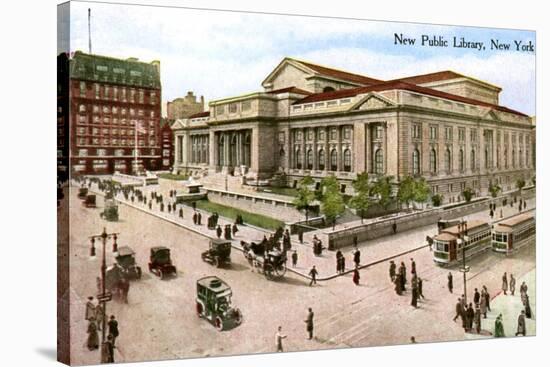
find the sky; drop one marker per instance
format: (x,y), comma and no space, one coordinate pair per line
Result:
(221,54)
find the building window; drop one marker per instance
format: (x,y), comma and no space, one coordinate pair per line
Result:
(132,95)
(333,133)
(233,108)
(321,161)
(513,158)
(473,160)
(141,96)
(448,133)
(416,162)
(433,132)
(298,158)
(96,86)
(309,159)
(461,160)
(379,162)
(473,135)
(321,134)
(347,160)
(448,162)
(333,160)
(487,158)
(433,161)
(310,134)
(82,89)
(82,108)
(416,131)
(378,132)
(347,133)
(153,98)
(461,134)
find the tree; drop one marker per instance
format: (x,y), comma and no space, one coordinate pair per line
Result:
(383,189)
(332,202)
(405,194)
(520,183)
(436,199)
(305,195)
(468,193)
(494,189)
(361,200)
(421,190)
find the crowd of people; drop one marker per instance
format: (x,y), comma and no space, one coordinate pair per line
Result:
(95,314)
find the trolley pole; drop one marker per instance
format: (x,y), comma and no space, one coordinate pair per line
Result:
(103,297)
(463,232)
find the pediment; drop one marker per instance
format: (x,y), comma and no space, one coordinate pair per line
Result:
(491,114)
(372,101)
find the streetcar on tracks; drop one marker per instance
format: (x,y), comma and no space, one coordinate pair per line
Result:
(450,242)
(513,233)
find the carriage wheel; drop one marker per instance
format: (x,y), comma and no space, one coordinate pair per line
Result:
(280,270)
(219,323)
(161,274)
(216,261)
(268,271)
(199,310)
(238,317)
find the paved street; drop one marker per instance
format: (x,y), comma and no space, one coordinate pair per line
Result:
(161,314)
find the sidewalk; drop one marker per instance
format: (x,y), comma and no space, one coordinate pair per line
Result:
(510,307)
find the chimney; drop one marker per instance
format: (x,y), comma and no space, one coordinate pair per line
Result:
(202,102)
(156,64)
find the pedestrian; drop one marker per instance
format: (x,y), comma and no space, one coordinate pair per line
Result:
(279,339)
(174,207)
(504,283)
(464,317)
(108,350)
(357,256)
(458,309)
(169,208)
(487,298)
(294,258)
(420,294)
(523,291)
(398,284)
(113,328)
(93,337)
(309,323)
(491,213)
(313,273)
(343,264)
(181,213)
(403,272)
(338,262)
(219,231)
(99,316)
(124,288)
(413,340)
(301,236)
(483,304)
(477,297)
(501,213)
(161,207)
(527,306)
(499,327)
(477,319)
(356,275)
(150,205)
(414,291)
(470,315)
(195,218)
(521,324)
(413,266)
(464,304)
(394,227)
(199,218)
(90,309)
(392,270)
(512,284)
(234,229)
(450,282)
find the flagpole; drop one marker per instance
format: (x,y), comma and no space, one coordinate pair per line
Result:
(135,148)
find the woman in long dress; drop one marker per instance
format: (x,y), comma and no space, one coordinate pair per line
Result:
(356,276)
(499,327)
(93,337)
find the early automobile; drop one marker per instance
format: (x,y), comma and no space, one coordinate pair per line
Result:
(218,253)
(110,211)
(89,202)
(126,258)
(160,262)
(272,262)
(213,303)
(82,192)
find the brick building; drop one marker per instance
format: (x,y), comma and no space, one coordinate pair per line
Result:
(110,101)
(314,120)
(167,144)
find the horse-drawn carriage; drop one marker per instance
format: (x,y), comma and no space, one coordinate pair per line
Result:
(268,260)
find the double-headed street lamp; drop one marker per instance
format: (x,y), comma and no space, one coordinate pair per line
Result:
(463,235)
(103,297)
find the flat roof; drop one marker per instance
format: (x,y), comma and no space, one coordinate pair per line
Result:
(517,219)
(471,225)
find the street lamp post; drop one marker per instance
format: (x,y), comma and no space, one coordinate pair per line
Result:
(103,297)
(463,234)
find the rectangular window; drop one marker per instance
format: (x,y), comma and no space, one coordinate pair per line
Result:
(448,133)
(96,86)
(132,95)
(246,105)
(233,108)
(153,98)
(220,110)
(433,132)
(347,133)
(461,134)
(141,96)
(473,135)
(416,131)
(82,89)
(333,134)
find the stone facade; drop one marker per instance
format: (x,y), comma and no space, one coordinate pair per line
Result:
(317,121)
(184,107)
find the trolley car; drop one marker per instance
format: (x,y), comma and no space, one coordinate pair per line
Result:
(513,233)
(448,244)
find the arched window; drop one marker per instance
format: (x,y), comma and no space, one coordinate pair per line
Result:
(448,162)
(328,89)
(347,160)
(321,160)
(333,160)
(433,161)
(416,162)
(309,159)
(298,158)
(379,162)
(473,160)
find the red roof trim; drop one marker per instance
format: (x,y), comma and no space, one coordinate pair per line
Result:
(398,84)
(339,74)
(290,90)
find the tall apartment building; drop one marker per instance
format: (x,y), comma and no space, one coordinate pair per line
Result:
(114,104)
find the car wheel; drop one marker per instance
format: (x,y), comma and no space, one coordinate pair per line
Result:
(219,323)
(161,274)
(139,273)
(216,262)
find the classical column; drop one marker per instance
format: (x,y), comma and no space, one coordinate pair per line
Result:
(327,148)
(368,148)
(339,149)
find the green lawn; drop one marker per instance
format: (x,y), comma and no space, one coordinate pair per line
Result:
(170,176)
(287,191)
(249,218)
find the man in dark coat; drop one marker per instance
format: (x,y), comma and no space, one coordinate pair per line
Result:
(181,213)
(413,266)
(414,293)
(294,258)
(420,294)
(458,309)
(356,275)
(113,328)
(357,256)
(199,218)
(313,273)
(219,231)
(504,283)
(393,268)
(108,350)
(450,282)
(338,262)
(477,319)
(487,299)
(403,272)
(300,235)
(398,284)
(477,297)
(195,218)
(521,324)
(309,323)
(234,229)
(470,315)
